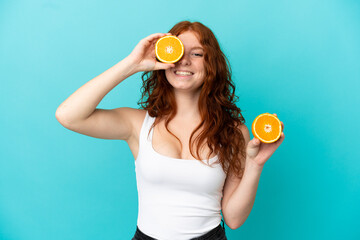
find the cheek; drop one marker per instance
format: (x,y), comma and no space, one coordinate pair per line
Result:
(201,66)
(202,70)
(167,73)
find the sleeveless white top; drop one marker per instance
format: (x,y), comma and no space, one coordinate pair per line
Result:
(178,199)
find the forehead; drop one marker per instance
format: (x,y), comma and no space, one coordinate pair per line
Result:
(190,39)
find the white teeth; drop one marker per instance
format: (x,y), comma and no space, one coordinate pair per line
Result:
(183,73)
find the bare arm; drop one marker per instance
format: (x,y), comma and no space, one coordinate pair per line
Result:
(78,112)
(240,204)
(239,194)
(82,103)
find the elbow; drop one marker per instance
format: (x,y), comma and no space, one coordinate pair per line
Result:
(235,220)
(57,115)
(234,224)
(60,118)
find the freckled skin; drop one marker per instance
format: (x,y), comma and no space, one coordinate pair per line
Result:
(191,61)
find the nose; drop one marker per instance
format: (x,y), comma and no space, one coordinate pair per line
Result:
(185,60)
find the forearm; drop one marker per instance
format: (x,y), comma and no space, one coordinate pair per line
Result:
(242,200)
(84,101)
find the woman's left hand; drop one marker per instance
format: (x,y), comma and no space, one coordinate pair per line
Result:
(258,152)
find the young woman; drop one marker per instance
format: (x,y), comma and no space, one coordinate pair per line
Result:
(193,154)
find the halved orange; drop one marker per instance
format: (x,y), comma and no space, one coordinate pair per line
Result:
(267,128)
(169,49)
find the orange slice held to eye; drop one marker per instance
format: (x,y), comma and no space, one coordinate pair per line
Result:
(169,49)
(267,128)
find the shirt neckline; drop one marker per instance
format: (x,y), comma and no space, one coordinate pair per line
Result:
(172,158)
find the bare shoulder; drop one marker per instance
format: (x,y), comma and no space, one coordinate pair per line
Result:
(136,116)
(246,133)
(132,113)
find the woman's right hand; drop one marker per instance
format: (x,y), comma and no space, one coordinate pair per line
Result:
(143,56)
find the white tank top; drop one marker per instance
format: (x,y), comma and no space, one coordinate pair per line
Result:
(178,199)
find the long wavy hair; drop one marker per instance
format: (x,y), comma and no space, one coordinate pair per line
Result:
(220,117)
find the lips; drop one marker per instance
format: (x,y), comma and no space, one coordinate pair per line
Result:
(183,73)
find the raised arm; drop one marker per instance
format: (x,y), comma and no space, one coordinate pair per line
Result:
(79,113)
(239,194)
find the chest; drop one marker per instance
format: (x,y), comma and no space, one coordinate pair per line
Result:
(164,166)
(168,145)
(178,176)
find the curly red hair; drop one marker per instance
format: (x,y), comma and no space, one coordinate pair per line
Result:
(220,117)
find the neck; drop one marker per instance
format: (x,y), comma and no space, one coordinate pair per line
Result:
(187,105)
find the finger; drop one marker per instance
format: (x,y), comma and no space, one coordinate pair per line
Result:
(281,139)
(254,141)
(253,148)
(154,36)
(164,66)
(282,126)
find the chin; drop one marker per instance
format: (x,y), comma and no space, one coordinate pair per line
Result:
(180,87)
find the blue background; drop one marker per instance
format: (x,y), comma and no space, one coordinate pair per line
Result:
(299,59)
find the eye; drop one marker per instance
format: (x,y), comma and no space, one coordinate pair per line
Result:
(197,54)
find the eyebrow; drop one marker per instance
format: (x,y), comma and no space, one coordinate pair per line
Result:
(197,48)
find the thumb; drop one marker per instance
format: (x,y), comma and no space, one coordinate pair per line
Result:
(253,148)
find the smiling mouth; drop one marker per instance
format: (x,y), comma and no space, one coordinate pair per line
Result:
(183,73)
